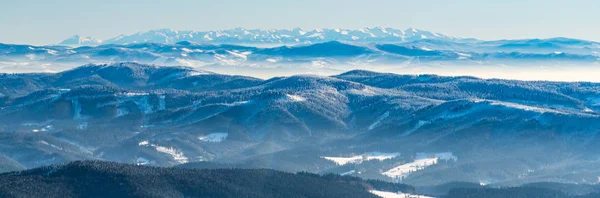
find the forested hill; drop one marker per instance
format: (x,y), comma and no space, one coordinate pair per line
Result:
(515,192)
(108,179)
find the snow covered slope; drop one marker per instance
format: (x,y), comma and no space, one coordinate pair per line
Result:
(79,40)
(279,36)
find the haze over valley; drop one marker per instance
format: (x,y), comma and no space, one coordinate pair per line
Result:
(271,53)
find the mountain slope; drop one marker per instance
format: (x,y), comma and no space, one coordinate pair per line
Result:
(105,179)
(78,40)
(126,75)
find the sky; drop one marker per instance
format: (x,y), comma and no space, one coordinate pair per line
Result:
(49,22)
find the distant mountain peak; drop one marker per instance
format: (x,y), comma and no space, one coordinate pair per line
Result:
(79,40)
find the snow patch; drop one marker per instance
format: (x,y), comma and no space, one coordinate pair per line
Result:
(176,154)
(316,35)
(52,52)
(173,152)
(402,171)
(214,137)
(47,128)
(143,143)
(142,161)
(357,159)
(187,50)
(295,98)
(387,194)
(421,161)
(242,55)
(426,49)
(525,107)
(63,91)
(419,124)
(51,145)
(196,73)
(382,117)
(348,173)
(462,56)
(132,94)
(318,63)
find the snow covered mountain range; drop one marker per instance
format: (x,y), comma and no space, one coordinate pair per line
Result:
(280,36)
(324,58)
(414,128)
(189,111)
(269,53)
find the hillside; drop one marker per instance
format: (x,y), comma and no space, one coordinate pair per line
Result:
(105,179)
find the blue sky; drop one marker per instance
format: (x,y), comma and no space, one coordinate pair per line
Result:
(48,22)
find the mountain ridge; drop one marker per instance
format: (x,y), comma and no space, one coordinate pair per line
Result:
(322,57)
(281,36)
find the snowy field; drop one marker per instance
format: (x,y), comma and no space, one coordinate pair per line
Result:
(422,160)
(386,194)
(214,137)
(357,159)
